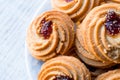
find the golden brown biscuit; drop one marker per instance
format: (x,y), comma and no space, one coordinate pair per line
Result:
(86,56)
(64,67)
(50,34)
(76,9)
(110,75)
(98,37)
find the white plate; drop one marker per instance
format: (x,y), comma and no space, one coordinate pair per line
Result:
(33,65)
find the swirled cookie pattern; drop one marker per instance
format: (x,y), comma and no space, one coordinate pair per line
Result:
(50,34)
(76,9)
(64,67)
(93,40)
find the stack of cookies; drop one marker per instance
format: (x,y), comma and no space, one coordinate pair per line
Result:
(77,40)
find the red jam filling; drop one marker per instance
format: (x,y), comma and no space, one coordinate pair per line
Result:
(68,0)
(46,28)
(61,77)
(112,23)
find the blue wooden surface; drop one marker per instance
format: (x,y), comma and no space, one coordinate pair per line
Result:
(15,16)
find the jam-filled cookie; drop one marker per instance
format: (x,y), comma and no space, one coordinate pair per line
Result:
(50,34)
(76,9)
(64,68)
(98,36)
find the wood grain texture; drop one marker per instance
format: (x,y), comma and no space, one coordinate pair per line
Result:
(15,16)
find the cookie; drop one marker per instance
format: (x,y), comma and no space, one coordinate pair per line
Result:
(50,34)
(110,75)
(76,9)
(64,68)
(98,37)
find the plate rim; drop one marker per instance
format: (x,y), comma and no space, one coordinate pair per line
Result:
(25,45)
